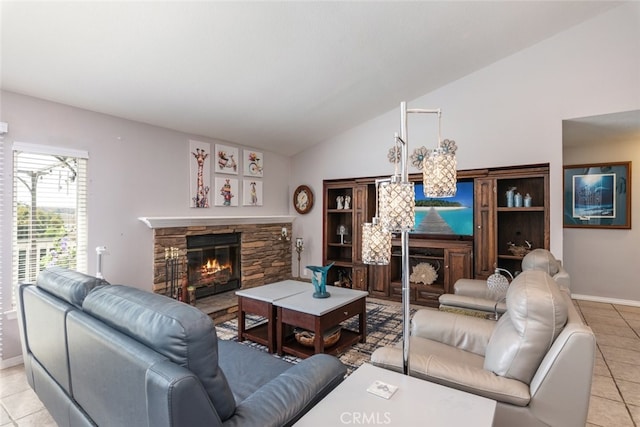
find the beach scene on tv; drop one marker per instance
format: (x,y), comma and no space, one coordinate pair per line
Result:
(447,215)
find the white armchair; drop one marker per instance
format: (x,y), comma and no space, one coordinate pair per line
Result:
(536,361)
(473,296)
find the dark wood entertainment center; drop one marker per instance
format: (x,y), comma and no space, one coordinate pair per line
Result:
(496,228)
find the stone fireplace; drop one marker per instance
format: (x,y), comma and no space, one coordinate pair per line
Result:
(264,257)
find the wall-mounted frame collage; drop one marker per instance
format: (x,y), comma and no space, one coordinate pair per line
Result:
(228,187)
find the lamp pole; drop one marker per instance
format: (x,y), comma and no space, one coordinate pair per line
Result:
(406,295)
(404,237)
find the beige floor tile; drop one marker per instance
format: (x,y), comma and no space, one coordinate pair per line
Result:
(624,371)
(601,312)
(621,331)
(4,417)
(608,413)
(617,354)
(38,419)
(11,371)
(605,387)
(21,404)
(601,368)
(627,308)
(630,315)
(599,319)
(635,413)
(630,392)
(617,341)
(634,323)
(585,303)
(13,383)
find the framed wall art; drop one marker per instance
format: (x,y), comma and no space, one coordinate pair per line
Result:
(226,191)
(252,192)
(199,173)
(253,163)
(226,159)
(597,195)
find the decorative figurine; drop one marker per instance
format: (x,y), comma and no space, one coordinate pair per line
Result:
(339,201)
(319,280)
(347,202)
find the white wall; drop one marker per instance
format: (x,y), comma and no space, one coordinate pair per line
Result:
(508,113)
(605,263)
(134,170)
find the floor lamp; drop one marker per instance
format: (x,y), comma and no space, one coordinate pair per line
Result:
(395,205)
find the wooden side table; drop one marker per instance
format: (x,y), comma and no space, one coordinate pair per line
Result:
(319,315)
(259,301)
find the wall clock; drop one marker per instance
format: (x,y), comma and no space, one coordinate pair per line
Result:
(303,199)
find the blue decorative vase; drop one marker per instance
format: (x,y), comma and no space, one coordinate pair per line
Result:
(319,280)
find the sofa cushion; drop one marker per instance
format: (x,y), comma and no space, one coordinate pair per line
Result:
(541,260)
(536,313)
(236,360)
(71,286)
(176,330)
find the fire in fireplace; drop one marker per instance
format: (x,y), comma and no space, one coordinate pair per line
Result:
(213,263)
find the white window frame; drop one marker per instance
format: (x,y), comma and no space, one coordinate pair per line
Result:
(81,225)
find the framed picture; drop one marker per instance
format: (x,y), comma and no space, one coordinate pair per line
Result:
(252,192)
(253,163)
(199,173)
(597,195)
(226,159)
(226,191)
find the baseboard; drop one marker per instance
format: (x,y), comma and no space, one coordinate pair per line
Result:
(8,363)
(606,300)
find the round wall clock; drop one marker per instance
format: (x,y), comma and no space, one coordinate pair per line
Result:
(303,199)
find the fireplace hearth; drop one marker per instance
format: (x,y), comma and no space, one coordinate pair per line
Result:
(213,263)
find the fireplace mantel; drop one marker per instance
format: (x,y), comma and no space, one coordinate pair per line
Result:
(188,221)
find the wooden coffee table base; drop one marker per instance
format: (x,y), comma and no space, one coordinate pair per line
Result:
(319,324)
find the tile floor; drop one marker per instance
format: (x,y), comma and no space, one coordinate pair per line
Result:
(615,393)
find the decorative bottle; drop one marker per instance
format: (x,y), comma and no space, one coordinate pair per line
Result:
(517,200)
(510,195)
(527,200)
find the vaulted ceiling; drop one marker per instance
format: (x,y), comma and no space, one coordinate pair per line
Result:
(279,76)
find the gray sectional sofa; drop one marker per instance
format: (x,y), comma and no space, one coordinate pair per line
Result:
(112,355)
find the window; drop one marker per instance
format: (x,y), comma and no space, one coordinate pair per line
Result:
(49,210)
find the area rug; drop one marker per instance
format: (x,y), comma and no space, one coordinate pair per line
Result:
(384,328)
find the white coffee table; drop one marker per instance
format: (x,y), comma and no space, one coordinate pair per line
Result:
(259,301)
(415,403)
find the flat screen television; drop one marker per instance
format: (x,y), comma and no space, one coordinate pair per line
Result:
(447,217)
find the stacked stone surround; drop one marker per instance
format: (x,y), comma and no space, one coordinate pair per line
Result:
(264,258)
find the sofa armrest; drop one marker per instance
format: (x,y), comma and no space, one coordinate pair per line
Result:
(461,377)
(286,398)
(464,332)
(475,304)
(470,379)
(471,288)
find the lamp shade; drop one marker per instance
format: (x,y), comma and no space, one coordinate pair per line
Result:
(439,173)
(498,284)
(376,243)
(397,205)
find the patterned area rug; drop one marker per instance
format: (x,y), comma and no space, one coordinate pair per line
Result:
(384,328)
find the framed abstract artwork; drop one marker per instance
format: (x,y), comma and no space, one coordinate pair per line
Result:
(226,159)
(199,173)
(597,195)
